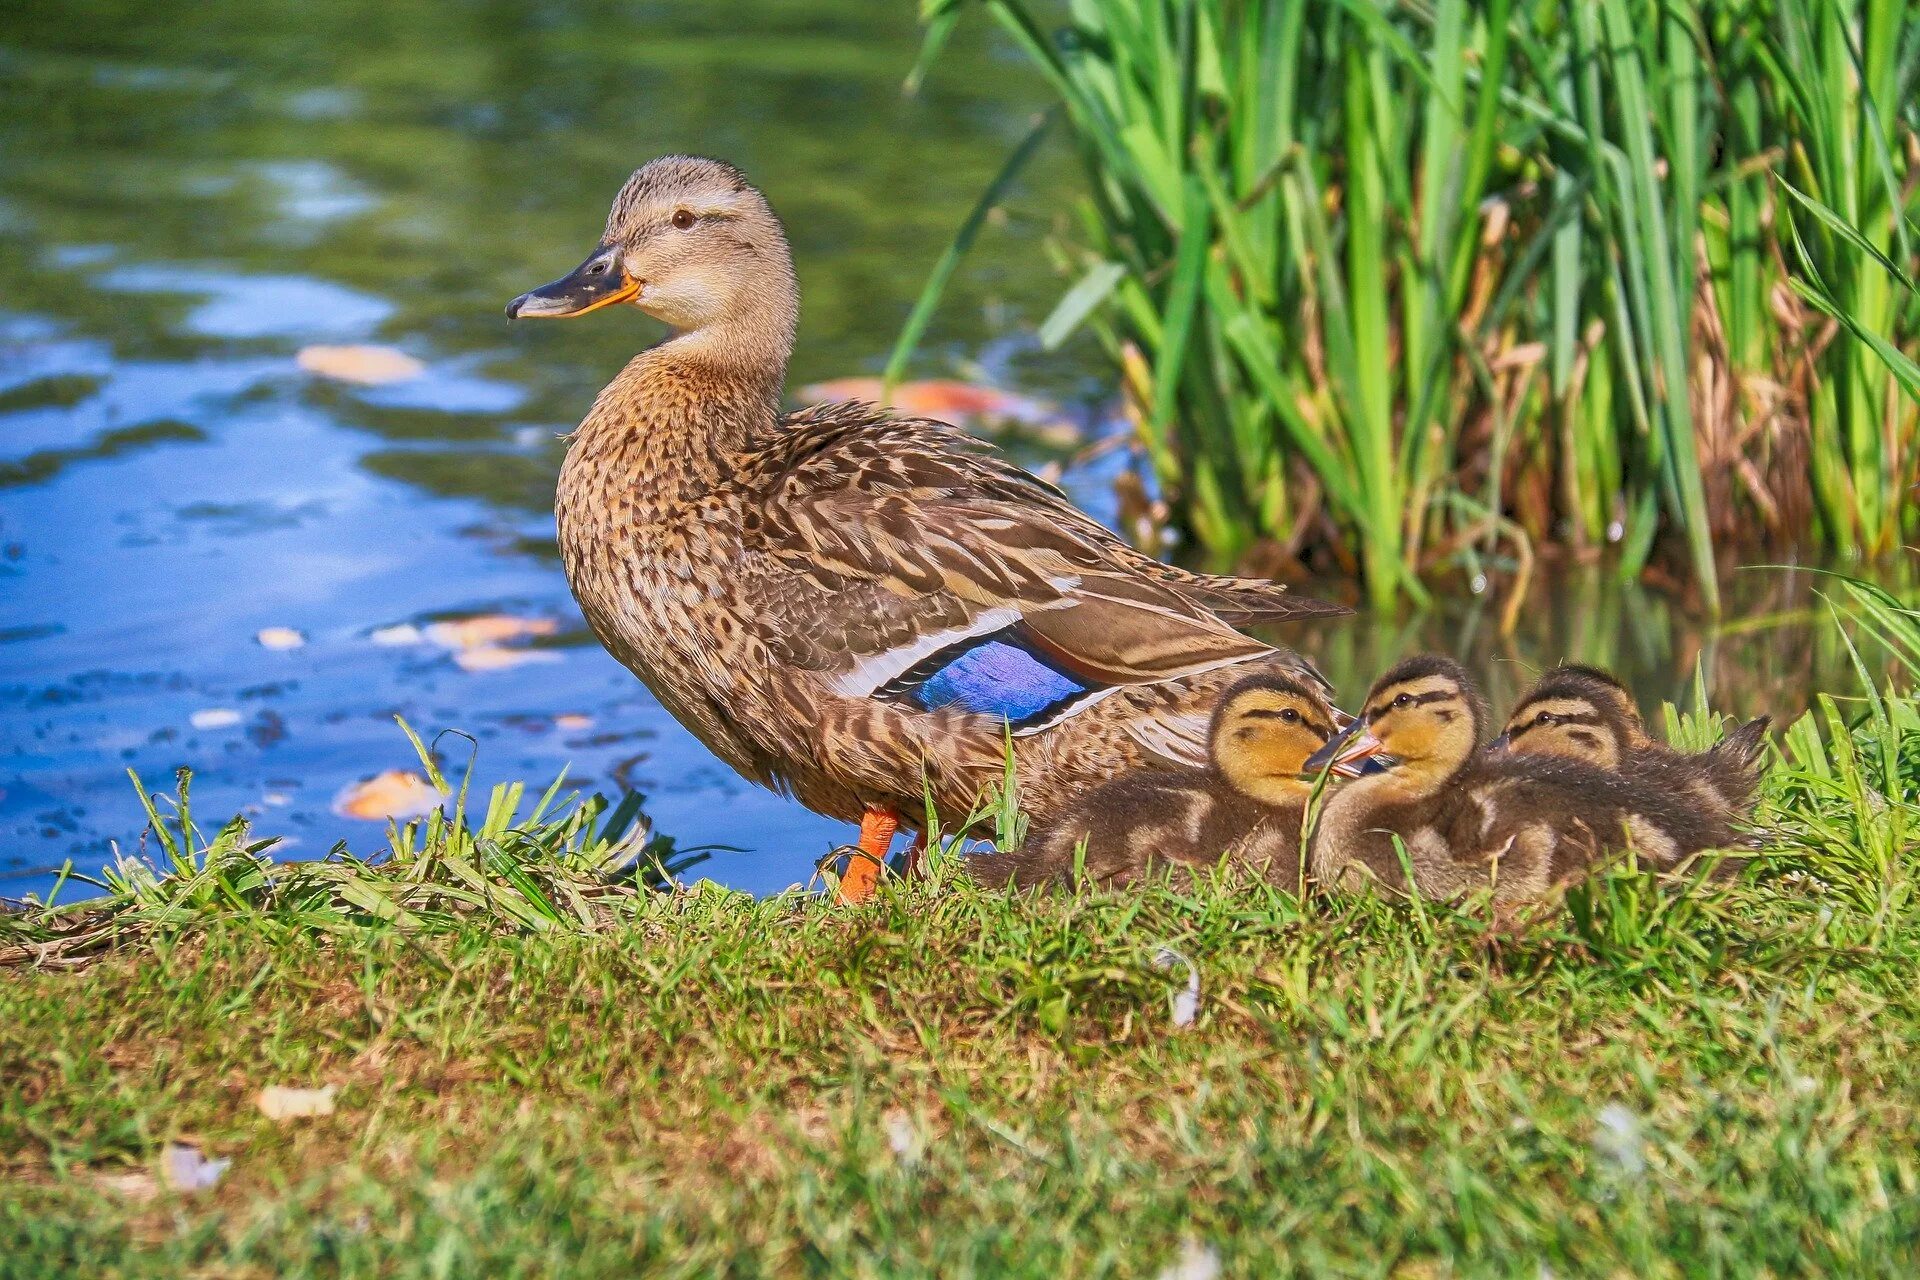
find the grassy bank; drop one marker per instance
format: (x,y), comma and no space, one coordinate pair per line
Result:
(1650,1080)
(1396,287)
(957,1083)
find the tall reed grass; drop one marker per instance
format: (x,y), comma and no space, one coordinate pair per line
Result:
(1395,286)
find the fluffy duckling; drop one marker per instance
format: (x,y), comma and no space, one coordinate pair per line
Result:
(1583,713)
(1246,804)
(1468,819)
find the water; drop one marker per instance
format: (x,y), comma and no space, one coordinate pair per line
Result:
(190,196)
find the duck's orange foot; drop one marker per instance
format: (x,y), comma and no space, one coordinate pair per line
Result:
(864,863)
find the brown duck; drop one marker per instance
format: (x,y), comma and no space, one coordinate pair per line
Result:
(1468,819)
(1246,805)
(849,606)
(1584,713)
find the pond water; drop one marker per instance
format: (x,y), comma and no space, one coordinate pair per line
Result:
(192,195)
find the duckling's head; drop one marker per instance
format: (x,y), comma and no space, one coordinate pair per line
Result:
(689,241)
(1582,713)
(1424,714)
(1264,729)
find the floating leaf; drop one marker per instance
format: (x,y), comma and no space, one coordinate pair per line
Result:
(487,629)
(491,657)
(214,718)
(280,638)
(945,399)
(397,793)
(397,636)
(368,366)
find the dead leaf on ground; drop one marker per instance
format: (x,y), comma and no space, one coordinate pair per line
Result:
(138,1185)
(366,365)
(397,793)
(283,1102)
(186,1168)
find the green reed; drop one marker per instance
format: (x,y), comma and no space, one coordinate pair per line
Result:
(1403,285)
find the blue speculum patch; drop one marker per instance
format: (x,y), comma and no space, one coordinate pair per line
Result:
(998,679)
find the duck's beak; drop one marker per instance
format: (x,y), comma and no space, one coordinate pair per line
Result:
(1500,744)
(1352,743)
(598,282)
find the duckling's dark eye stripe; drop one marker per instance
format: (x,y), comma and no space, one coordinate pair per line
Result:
(1415,700)
(1320,727)
(1559,718)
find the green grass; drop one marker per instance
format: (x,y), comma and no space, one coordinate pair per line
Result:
(1399,287)
(1715,1080)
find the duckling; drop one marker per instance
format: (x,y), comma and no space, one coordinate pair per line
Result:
(1468,819)
(1584,713)
(852,607)
(1247,804)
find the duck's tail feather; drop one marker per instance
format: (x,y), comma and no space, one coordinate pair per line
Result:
(1735,762)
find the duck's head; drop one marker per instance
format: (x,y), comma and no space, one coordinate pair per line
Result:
(1264,730)
(689,241)
(1424,715)
(1582,713)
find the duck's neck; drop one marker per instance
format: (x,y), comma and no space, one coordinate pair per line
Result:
(700,397)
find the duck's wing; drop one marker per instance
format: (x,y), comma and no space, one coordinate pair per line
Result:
(957,578)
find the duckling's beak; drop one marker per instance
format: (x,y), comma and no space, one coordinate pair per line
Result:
(600,281)
(1352,743)
(1500,744)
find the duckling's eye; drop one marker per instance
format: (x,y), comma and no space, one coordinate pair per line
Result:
(1289,715)
(1546,717)
(683,219)
(1403,701)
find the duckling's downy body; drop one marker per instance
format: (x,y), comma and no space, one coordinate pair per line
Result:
(840,603)
(1246,805)
(1468,820)
(1583,713)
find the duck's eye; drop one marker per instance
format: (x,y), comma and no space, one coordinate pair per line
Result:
(1546,717)
(683,219)
(1403,701)
(1289,715)
(597,269)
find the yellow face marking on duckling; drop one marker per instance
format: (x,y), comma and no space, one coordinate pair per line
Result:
(1261,739)
(1427,722)
(1573,727)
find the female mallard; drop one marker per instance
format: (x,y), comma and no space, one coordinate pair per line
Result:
(1247,805)
(1465,819)
(852,607)
(1583,713)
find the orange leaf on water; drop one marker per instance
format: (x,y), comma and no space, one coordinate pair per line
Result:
(368,366)
(397,793)
(947,399)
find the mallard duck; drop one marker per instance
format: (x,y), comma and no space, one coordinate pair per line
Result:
(1584,713)
(857,608)
(1247,804)
(1468,819)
